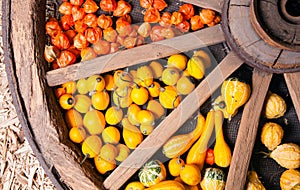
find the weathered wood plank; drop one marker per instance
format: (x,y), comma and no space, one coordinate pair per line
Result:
(175,119)
(247,131)
(293,84)
(36,104)
(288,58)
(205,37)
(210,4)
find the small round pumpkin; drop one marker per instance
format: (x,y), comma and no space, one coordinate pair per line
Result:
(67,101)
(290,179)
(271,135)
(275,106)
(152,173)
(169,97)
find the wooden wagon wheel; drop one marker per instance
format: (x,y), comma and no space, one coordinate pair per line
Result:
(243,28)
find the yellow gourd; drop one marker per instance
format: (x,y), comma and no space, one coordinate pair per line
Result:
(271,135)
(170,76)
(179,144)
(219,104)
(121,97)
(131,134)
(156,108)
(145,75)
(290,180)
(167,185)
(287,155)
(197,153)
(204,56)
(185,85)
(157,69)
(132,112)
(222,151)
(253,183)
(275,106)
(196,68)
(135,185)
(66,101)
(235,93)
(122,79)
(169,97)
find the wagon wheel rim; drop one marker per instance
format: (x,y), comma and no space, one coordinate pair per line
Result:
(289,77)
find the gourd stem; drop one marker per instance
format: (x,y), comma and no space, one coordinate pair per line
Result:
(85,157)
(266,154)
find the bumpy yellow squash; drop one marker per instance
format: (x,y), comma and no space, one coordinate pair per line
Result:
(287,155)
(290,180)
(235,93)
(253,183)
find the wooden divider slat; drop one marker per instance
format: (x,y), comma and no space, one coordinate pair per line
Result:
(210,4)
(247,131)
(121,59)
(293,84)
(172,122)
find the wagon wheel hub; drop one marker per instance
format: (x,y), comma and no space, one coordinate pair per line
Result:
(266,34)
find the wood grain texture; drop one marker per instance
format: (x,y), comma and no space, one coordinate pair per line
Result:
(247,131)
(242,37)
(202,38)
(210,4)
(39,114)
(293,84)
(175,119)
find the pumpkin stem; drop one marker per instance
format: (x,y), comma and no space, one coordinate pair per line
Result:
(85,157)
(266,154)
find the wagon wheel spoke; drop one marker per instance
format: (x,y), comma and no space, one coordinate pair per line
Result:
(202,38)
(248,130)
(163,132)
(293,84)
(210,4)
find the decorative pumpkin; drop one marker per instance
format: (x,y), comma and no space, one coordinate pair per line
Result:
(135,185)
(253,183)
(66,101)
(235,93)
(121,97)
(152,173)
(196,68)
(122,79)
(185,85)
(275,106)
(131,134)
(170,76)
(214,178)
(271,135)
(169,97)
(287,155)
(290,180)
